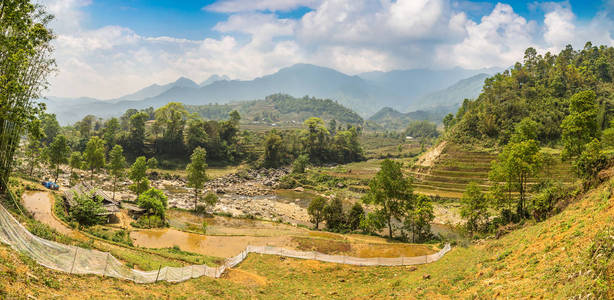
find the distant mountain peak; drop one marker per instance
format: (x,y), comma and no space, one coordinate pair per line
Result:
(213,78)
(184,82)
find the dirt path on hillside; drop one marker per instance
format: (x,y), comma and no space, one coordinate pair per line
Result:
(40,205)
(429,157)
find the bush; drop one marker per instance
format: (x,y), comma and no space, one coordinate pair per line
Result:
(154,202)
(300,163)
(355,216)
(146,222)
(88,210)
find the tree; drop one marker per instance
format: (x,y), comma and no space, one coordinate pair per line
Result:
(196,136)
(273,150)
(373,222)
(196,172)
(526,129)
(88,209)
(137,132)
(33,151)
(172,117)
(591,161)
(154,202)
(57,152)
(315,139)
(300,163)
(580,126)
(316,210)
(334,215)
(419,218)
(474,207)
(391,191)
(448,121)
(117,165)
(210,200)
(424,129)
(75,162)
(94,155)
(138,175)
(515,165)
(50,127)
(111,130)
(355,216)
(152,163)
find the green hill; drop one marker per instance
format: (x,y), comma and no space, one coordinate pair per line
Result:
(280,108)
(538,88)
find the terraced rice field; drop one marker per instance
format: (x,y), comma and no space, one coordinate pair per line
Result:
(456,167)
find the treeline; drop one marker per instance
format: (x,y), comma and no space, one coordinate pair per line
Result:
(171,134)
(280,108)
(316,143)
(539,88)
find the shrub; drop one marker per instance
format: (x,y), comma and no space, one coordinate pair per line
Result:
(88,210)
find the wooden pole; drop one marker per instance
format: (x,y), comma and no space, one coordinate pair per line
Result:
(106,264)
(157,276)
(74,260)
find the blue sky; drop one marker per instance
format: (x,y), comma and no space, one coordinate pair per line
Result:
(107,48)
(189,19)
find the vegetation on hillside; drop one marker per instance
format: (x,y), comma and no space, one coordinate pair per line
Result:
(539,88)
(280,108)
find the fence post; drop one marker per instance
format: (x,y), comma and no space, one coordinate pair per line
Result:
(402,260)
(343,259)
(192,271)
(157,276)
(74,260)
(426,259)
(106,264)
(379,261)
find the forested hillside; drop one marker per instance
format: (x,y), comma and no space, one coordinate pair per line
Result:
(539,88)
(280,108)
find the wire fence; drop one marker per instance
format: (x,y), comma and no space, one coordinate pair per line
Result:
(76,260)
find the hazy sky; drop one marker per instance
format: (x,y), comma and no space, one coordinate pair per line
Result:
(108,48)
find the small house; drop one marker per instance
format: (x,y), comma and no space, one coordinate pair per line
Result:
(111,206)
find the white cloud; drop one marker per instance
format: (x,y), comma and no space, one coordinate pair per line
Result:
(349,35)
(500,38)
(234,6)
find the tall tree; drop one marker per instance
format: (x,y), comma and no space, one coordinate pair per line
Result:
(57,153)
(111,130)
(273,150)
(33,150)
(138,175)
(580,126)
(117,165)
(75,161)
(94,155)
(419,218)
(391,191)
(196,136)
(196,172)
(474,207)
(172,118)
(515,165)
(316,210)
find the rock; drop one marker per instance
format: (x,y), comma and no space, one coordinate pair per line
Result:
(340,185)
(411,268)
(299,189)
(426,276)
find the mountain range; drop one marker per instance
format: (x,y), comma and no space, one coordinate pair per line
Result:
(364,93)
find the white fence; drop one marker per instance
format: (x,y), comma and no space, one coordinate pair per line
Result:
(77,260)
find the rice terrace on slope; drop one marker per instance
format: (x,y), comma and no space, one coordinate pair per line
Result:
(286,150)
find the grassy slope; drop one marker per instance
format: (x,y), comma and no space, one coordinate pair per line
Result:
(533,261)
